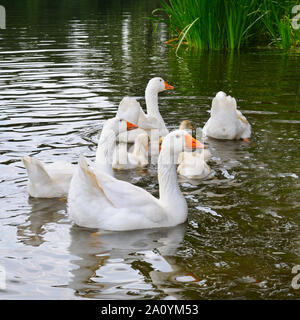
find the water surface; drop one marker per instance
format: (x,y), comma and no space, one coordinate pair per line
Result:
(64,67)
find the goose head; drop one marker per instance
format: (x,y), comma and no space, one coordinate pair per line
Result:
(186,125)
(158,84)
(118,125)
(179,140)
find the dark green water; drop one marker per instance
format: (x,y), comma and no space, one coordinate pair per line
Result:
(64,67)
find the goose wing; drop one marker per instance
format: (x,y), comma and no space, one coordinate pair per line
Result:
(120,194)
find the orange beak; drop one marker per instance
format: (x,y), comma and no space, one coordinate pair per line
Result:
(168,87)
(192,143)
(130,126)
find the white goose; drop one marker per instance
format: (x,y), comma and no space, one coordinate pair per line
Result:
(107,142)
(138,158)
(48,181)
(53,180)
(153,119)
(98,200)
(226,122)
(192,165)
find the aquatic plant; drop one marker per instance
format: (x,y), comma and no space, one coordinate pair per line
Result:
(277,23)
(223,24)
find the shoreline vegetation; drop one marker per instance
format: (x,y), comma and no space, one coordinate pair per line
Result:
(230,25)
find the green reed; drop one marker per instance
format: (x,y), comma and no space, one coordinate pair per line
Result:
(229,24)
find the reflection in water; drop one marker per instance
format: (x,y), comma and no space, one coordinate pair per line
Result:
(42,212)
(228,155)
(112,264)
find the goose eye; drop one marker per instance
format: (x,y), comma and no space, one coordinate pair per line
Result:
(177,136)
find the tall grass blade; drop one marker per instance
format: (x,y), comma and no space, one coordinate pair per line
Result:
(188,27)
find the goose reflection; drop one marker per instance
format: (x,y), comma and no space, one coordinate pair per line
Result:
(123,264)
(42,212)
(227,155)
(229,152)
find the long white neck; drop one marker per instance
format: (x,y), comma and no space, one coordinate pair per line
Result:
(169,192)
(105,151)
(151,97)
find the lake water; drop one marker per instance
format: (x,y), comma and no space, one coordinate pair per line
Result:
(64,68)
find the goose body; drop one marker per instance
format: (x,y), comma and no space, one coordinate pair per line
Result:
(193,165)
(226,122)
(97,199)
(53,180)
(137,158)
(129,108)
(48,181)
(151,120)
